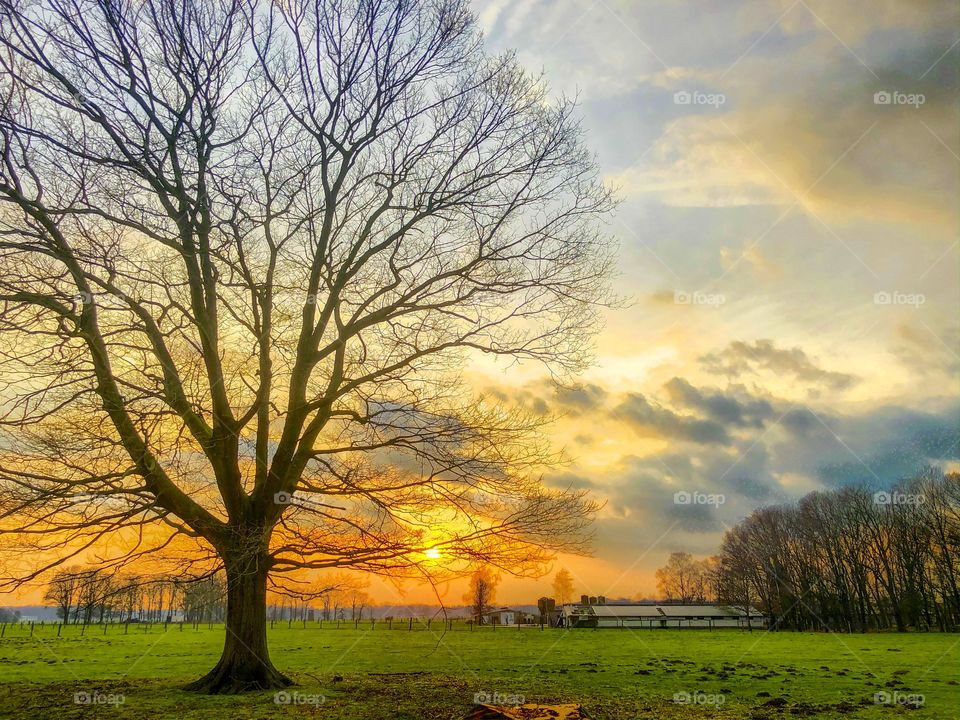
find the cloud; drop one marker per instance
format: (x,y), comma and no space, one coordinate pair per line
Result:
(925,352)
(799,124)
(718,406)
(743,357)
(569,480)
(649,420)
(875,448)
(580,398)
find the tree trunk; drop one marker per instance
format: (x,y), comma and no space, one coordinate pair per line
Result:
(245,662)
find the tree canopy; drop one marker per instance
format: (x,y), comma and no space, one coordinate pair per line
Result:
(247,250)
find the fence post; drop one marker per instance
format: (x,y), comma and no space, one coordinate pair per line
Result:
(59,628)
(411,624)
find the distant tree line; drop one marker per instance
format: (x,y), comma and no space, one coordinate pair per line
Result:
(90,595)
(851,559)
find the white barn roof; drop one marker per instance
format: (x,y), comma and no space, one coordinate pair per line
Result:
(661,611)
(700,611)
(625,611)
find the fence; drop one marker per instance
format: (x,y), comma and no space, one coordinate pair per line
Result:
(48,629)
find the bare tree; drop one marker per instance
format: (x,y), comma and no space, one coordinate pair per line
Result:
(482,593)
(246,250)
(682,578)
(851,559)
(62,592)
(563,586)
(203,601)
(358,599)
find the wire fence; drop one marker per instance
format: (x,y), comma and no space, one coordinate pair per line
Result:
(48,628)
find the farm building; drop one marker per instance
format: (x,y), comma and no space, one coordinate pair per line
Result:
(508,616)
(656,615)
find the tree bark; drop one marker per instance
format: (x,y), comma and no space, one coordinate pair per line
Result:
(245,662)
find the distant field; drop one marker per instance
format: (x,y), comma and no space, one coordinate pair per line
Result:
(369,674)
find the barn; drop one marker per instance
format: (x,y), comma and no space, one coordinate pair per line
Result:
(660,615)
(508,616)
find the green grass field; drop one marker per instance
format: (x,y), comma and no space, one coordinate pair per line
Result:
(365,674)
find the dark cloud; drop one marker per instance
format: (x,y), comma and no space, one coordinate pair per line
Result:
(695,518)
(876,448)
(550,398)
(800,422)
(718,406)
(580,398)
(925,352)
(654,421)
(740,358)
(569,480)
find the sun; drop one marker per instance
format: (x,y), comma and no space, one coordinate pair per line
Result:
(432,553)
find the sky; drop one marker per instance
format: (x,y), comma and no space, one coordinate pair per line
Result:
(788,234)
(789,258)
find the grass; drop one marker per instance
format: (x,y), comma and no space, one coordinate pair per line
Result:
(367,674)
